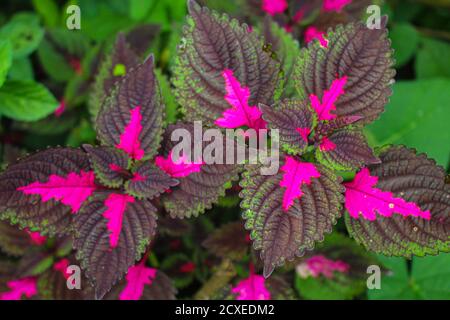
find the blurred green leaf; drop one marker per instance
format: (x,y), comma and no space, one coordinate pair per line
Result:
(24,33)
(5,60)
(418,117)
(433,59)
(405,40)
(26,100)
(83,133)
(168,97)
(21,69)
(139,8)
(429,279)
(48,10)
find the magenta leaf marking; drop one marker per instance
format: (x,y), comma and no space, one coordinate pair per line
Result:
(138,177)
(304,133)
(177,169)
(320,265)
(71,191)
(335,5)
(129,139)
(313,33)
(324,108)
(252,288)
(327,145)
(115,167)
(18,288)
(240,113)
(116,205)
(62,266)
(296,174)
(35,237)
(362,198)
(61,108)
(273,7)
(137,277)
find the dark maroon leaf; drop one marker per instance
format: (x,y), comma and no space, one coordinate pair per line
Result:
(294,119)
(361,54)
(103,263)
(13,241)
(283,235)
(229,241)
(29,210)
(131,118)
(149,181)
(417,179)
(350,151)
(109,164)
(141,37)
(211,44)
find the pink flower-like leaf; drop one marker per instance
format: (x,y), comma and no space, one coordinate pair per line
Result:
(129,139)
(240,114)
(335,5)
(327,145)
(362,198)
(116,205)
(296,174)
(313,33)
(304,133)
(61,266)
(35,237)
(137,277)
(323,108)
(274,7)
(18,288)
(252,288)
(61,108)
(180,168)
(72,190)
(320,265)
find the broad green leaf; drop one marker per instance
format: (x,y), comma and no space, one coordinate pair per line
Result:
(433,59)
(140,8)
(49,11)
(405,40)
(418,117)
(5,60)
(21,69)
(24,32)
(26,100)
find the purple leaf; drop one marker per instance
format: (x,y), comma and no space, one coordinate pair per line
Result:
(416,180)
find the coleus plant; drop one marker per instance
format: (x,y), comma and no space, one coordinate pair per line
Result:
(397,204)
(107,197)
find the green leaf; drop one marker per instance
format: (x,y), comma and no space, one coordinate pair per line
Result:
(140,8)
(26,100)
(49,11)
(418,117)
(5,60)
(429,279)
(21,69)
(432,59)
(405,40)
(24,32)
(168,97)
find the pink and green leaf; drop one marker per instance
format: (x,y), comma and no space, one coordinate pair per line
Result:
(326,106)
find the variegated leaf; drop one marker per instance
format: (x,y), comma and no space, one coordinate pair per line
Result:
(363,55)
(211,44)
(29,206)
(350,151)
(131,118)
(110,164)
(229,241)
(295,121)
(199,190)
(14,241)
(417,179)
(105,262)
(149,181)
(283,235)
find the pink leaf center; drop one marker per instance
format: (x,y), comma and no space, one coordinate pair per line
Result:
(72,190)
(327,145)
(129,139)
(296,174)
(137,277)
(182,167)
(320,265)
(335,5)
(240,113)
(362,198)
(324,108)
(304,133)
(313,33)
(273,7)
(35,237)
(252,288)
(116,205)
(23,287)
(61,266)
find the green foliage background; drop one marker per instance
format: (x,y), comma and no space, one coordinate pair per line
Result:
(42,64)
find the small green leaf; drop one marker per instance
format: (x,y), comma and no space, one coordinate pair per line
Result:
(168,97)
(26,100)
(405,40)
(24,32)
(49,11)
(432,59)
(21,69)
